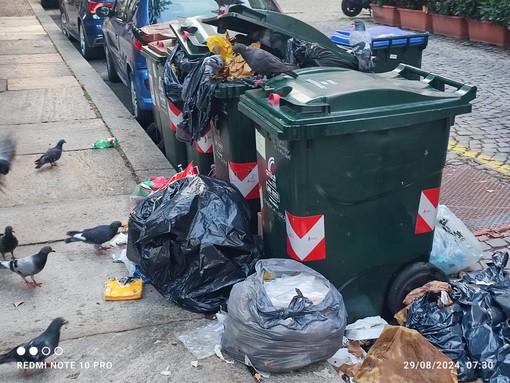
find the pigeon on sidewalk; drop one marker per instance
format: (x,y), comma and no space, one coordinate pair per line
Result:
(8,242)
(361,44)
(39,348)
(95,235)
(29,266)
(7,152)
(264,62)
(51,156)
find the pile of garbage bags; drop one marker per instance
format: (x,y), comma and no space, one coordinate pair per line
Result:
(472,329)
(193,241)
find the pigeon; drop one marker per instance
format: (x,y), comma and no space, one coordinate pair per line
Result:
(7,152)
(51,156)
(39,348)
(8,242)
(96,235)
(263,62)
(361,44)
(227,4)
(29,266)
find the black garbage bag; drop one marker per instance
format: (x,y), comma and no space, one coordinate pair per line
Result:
(442,327)
(193,241)
(493,275)
(309,54)
(177,67)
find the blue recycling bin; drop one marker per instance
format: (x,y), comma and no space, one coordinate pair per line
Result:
(390,46)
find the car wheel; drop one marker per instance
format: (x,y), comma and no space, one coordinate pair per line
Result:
(49,4)
(113,76)
(64,26)
(144,117)
(409,278)
(86,50)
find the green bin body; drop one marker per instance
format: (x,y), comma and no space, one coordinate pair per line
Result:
(235,156)
(350,168)
(165,115)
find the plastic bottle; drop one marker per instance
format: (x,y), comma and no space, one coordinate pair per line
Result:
(111,142)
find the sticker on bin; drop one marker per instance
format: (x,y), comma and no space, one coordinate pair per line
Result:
(153,94)
(306,239)
(205,143)
(175,116)
(427,211)
(245,177)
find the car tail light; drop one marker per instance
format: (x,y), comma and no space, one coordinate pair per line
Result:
(138,44)
(94,5)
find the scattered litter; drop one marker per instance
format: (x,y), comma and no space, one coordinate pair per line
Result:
(219,354)
(123,289)
(202,340)
(366,328)
(325,374)
(18,303)
(157,341)
(454,247)
(269,335)
(166,372)
(122,258)
(194,363)
(250,366)
(255,374)
(432,286)
(385,361)
(119,239)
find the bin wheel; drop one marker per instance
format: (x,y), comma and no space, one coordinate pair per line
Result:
(409,278)
(351,8)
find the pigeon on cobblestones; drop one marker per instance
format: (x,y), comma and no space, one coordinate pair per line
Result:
(361,44)
(264,62)
(8,242)
(96,235)
(39,348)
(29,266)
(51,156)
(7,152)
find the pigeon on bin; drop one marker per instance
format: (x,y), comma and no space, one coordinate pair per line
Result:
(361,44)
(8,242)
(29,266)
(7,152)
(51,156)
(227,4)
(39,348)
(264,62)
(95,235)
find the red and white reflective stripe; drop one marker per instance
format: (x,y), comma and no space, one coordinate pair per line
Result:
(205,143)
(427,211)
(245,177)
(306,238)
(175,115)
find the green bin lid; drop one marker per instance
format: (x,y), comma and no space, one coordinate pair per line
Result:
(334,101)
(246,20)
(195,44)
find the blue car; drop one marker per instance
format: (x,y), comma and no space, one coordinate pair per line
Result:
(124,61)
(79,20)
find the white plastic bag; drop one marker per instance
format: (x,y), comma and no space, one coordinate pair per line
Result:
(454,247)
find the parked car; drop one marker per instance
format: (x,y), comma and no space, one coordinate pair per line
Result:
(123,59)
(79,20)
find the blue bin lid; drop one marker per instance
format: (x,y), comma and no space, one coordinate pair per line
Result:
(383,36)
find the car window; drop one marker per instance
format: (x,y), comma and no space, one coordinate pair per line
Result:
(124,9)
(165,10)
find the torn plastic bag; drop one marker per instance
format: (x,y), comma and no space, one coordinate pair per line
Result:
(193,241)
(307,54)
(172,81)
(282,339)
(454,247)
(493,275)
(442,327)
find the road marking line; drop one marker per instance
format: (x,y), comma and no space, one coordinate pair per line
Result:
(484,159)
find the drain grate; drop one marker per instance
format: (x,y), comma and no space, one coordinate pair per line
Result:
(478,198)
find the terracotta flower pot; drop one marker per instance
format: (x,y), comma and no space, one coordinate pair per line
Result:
(415,20)
(486,32)
(385,14)
(452,26)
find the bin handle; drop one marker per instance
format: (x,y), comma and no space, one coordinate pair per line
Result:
(467,92)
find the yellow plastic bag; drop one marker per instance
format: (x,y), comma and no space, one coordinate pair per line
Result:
(219,45)
(123,290)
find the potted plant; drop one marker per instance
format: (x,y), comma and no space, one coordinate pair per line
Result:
(385,12)
(445,19)
(414,15)
(490,23)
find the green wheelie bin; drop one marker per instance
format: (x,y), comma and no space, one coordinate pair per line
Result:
(350,167)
